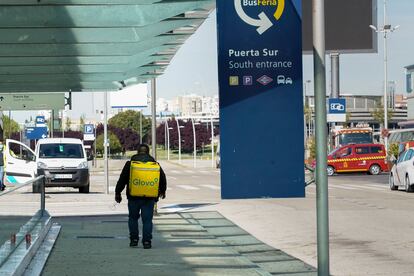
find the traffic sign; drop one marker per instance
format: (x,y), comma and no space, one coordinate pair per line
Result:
(385,132)
(40,121)
(34,133)
(337,106)
(88,129)
(20,101)
(89,132)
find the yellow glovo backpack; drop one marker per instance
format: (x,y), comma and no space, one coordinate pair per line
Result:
(144,179)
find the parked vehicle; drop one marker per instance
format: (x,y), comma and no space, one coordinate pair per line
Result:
(369,158)
(356,135)
(63,162)
(402,173)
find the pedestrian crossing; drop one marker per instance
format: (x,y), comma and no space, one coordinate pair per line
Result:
(183,187)
(354,187)
(194,187)
(191,172)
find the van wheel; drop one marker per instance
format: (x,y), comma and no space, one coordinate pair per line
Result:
(392,183)
(374,170)
(408,187)
(36,189)
(84,190)
(330,170)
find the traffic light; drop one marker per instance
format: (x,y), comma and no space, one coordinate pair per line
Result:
(69,101)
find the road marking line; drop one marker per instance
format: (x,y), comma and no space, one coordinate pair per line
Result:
(213,187)
(172,177)
(174,171)
(188,171)
(169,189)
(384,187)
(363,187)
(344,187)
(204,172)
(187,187)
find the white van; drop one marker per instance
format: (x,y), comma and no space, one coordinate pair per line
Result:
(62,161)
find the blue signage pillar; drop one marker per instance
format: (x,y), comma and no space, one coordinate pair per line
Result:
(261,100)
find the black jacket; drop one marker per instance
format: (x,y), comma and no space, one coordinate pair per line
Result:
(124,177)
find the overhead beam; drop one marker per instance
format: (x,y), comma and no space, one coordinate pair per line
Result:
(86,60)
(77,2)
(87,77)
(71,69)
(88,49)
(90,35)
(81,16)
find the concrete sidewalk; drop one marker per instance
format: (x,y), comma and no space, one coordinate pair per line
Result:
(196,243)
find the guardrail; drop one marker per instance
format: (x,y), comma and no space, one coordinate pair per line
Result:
(312,172)
(40,180)
(17,253)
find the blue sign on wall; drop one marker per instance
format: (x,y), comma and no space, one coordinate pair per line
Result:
(337,106)
(261,100)
(35,133)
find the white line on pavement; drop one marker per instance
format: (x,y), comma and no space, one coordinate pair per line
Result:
(383,187)
(344,187)
(172,177)
(187,187)
(188,171)
(364,187)
(213,187)
(174,171)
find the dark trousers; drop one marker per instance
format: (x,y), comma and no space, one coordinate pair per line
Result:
(145,209)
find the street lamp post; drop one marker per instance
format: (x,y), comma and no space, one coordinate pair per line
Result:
(195,145)
(385,29)
(179,140)
(212,141)
(168,140)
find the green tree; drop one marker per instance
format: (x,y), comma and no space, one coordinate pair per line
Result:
(378,114)
(308,113)
(114,144)
(81,122)
(68,124)
(130,119)
(9,126)
(312,147)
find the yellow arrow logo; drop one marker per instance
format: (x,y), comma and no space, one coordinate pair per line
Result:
(280,9)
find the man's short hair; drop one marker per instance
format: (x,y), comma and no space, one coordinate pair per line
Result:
(143,149)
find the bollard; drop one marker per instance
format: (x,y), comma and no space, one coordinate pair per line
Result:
(42,196)
(13,239)
(28,239)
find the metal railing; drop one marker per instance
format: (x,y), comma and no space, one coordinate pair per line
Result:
(17,253)
(40,180)
(312,175)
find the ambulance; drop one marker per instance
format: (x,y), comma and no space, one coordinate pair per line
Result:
(369,158)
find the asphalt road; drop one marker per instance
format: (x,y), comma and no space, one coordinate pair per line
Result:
(371,227)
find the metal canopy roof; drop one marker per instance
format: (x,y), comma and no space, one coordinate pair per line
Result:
(91,45)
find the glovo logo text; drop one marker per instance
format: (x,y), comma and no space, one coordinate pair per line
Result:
(139,182)
(262,21)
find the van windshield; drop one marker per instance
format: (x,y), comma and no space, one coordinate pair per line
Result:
(59,150)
